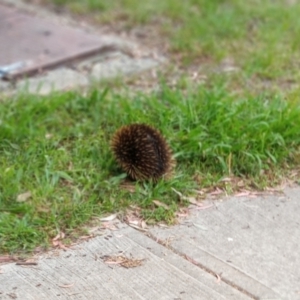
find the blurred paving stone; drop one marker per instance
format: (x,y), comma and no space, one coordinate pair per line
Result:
(4,85)
(38,44)
(121,65)
(252,243)
(59,54)
(82,273)
(60,79)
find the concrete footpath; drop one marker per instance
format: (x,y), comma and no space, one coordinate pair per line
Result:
(239,248)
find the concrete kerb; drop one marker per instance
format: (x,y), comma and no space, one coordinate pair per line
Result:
(117,65)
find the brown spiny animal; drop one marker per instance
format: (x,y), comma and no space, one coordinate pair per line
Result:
(142,152)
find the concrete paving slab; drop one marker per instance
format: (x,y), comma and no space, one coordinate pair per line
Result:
(120,65)
(82,54)
(251,243)
(60,79)
(80,273)
(4,86)
(107,67)
(38,44)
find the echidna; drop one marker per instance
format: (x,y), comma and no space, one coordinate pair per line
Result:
(142,152)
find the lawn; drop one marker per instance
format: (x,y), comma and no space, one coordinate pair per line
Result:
(259,37)
(58,173)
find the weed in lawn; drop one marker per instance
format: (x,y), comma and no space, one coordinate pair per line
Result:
(57,148)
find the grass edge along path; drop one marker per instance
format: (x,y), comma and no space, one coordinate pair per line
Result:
(56,149)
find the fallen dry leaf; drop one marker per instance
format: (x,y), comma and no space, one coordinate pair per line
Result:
(60,245)
(218,278)
(204,207)
(240,183)
(200,192)
(133,218)
(181,215)
(160,204)
(128,186)
(48,135)
(216,192)
(143,224)
(66,285)
(226,179)
(122,261)
(137,227)
(110,226)
(243,194)
(93,229)
(7,258)
(163,225)
(133,221)
(192,200)
(43,209)
(177,192)
(168,241)
(275,190)
(24,197)
(60,235)
(191,260)
(108,218)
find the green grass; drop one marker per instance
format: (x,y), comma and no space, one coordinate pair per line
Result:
(57,147)
(262,37)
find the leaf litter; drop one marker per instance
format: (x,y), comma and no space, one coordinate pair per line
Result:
(7,259)
(192,200)
(160,204)
(65,286)
(18,260)
(133,218)
(109,218)
(57,241)
(122,261)
(24,197)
